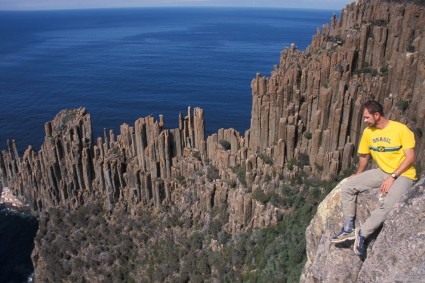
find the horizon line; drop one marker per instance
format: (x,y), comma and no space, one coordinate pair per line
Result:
(167,7)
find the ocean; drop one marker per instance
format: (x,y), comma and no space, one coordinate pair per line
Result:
(123,64)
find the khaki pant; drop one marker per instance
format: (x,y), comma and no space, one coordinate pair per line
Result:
(365,181)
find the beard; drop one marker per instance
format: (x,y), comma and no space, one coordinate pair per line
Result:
(372,123)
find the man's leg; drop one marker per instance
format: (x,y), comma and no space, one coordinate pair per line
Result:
(375,220)
(378,216)
(349,190)
(354,185)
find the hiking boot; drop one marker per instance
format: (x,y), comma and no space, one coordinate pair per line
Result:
(359,243)
(343,236)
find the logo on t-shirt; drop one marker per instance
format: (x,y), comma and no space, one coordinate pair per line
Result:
(382,139)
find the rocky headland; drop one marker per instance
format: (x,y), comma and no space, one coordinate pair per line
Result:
(8,198)
(164,204)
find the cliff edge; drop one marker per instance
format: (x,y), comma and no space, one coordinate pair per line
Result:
(306,121)
(395,254)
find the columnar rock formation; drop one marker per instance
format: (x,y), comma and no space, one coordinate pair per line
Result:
(136,166)
(307,114)
(311,103)
(146,164)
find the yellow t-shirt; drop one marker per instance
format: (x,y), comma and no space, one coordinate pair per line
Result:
(387,146)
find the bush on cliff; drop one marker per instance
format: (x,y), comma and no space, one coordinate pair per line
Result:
(225,144)
(417,2)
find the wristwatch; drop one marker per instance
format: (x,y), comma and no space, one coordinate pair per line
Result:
(394,176)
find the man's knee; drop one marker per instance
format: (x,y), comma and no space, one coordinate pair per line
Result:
(347,190)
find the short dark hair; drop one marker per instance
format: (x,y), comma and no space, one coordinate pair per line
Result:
(373,107)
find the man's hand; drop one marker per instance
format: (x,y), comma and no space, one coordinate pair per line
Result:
(386,185)
(362,164)
(407,162)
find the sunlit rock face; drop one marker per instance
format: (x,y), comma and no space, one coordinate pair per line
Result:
(400,245)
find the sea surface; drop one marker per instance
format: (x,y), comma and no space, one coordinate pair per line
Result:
(123,64)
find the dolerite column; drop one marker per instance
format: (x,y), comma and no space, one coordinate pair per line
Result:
(109,188)
(159,192)
(190,126)
(164,154)
(199,127)
(3,174)
(141,142)
(176,143)
(255,114)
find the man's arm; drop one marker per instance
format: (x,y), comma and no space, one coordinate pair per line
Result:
(407,162)
(362,164)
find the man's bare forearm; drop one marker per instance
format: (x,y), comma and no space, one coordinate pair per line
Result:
(407,162)
(363,160)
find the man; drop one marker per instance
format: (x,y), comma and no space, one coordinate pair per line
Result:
(391,145)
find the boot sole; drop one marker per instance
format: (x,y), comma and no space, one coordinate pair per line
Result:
(343,240)
(356,242)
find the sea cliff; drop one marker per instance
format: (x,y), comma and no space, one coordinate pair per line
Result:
(305,124)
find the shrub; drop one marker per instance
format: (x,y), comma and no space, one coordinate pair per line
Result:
(267,178)
(336,38)
(260,196)
(225,144)
(197,155)
(409,46)
(384,69)
(275,199)
(304,159)
(266,159)
(381,23)
(181,180)
(366,70)
(212,173)
(240,172)
(318,166)
(290,165)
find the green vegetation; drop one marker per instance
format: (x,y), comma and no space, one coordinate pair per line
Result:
(409,46)
(367,70)
(259,195)
(91,243)
(384,70)
(308,135)
(212,173)
(266,159)
(232,184)
(181,180)
(225,144)
(381,23)
(95,245)
(290,165)
(336,39)
(318,166)
(240,172)
(304,160)
(197,155)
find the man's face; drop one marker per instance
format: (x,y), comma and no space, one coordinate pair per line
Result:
(370,119)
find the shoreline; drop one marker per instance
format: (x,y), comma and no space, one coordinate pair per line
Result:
(7,199)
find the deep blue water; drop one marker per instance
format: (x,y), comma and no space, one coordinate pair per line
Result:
(17,231)
(122,64)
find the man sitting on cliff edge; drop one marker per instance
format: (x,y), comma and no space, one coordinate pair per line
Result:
(392,146)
